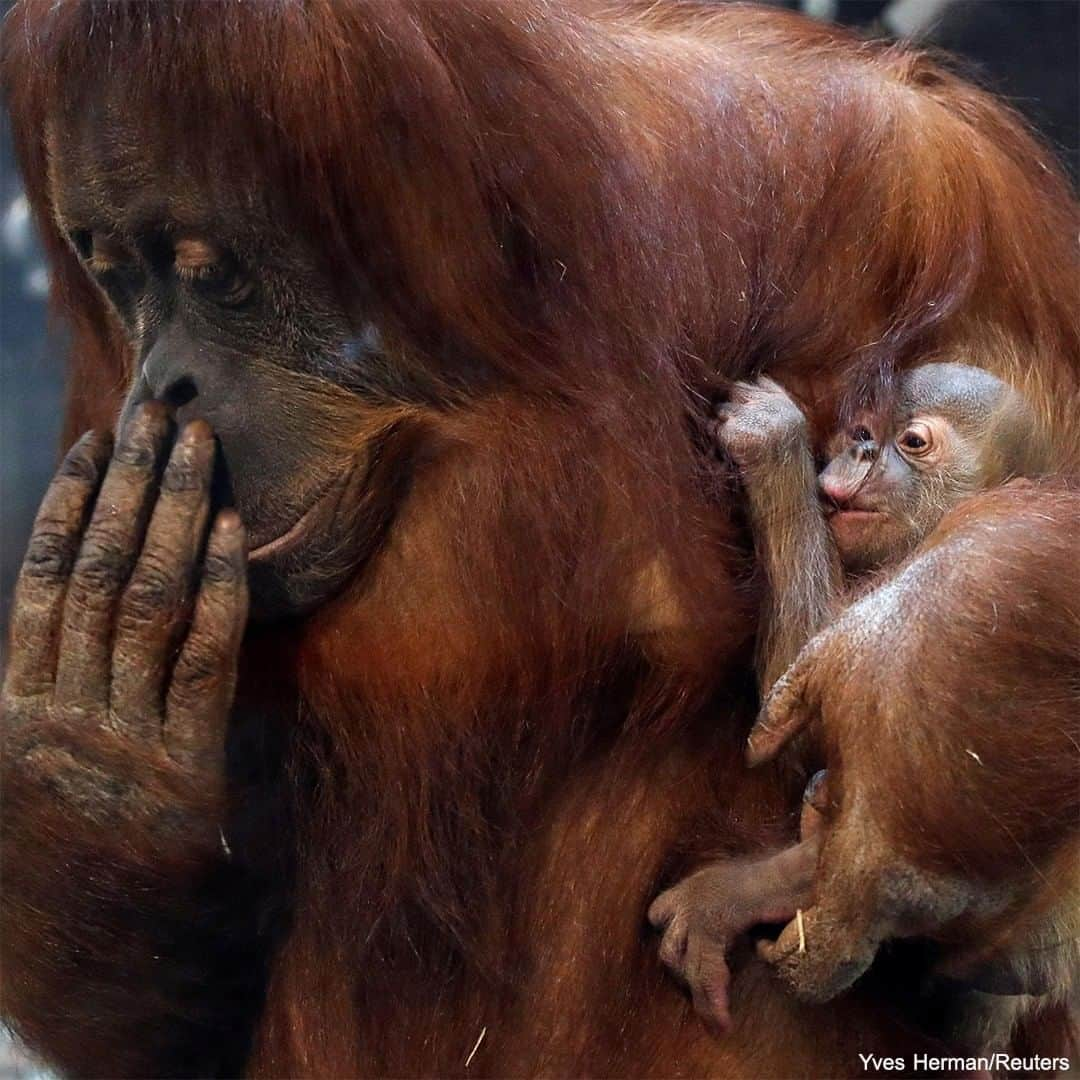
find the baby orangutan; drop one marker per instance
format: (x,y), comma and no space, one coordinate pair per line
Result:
(823,540)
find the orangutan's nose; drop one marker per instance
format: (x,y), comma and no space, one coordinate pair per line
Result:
(840,488)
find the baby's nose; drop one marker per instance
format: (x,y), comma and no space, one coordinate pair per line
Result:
(838,489)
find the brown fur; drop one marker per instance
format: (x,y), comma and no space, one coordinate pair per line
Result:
(943,627)
(967,657)
(600,212)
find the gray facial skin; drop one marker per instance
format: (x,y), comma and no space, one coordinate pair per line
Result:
(233,319)
(957,430)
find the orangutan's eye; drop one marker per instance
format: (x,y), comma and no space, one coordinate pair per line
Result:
(213,272)
(109,256)
(916,440)
(112,264)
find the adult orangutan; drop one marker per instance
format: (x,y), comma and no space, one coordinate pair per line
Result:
(450,282)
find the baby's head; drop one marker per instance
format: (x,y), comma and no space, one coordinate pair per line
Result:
(956,430)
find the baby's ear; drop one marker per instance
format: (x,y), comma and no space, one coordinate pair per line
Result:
(1017,441)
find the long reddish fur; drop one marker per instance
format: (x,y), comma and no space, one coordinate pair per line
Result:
(608,212)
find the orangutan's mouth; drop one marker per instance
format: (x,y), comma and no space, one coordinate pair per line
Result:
(852,525)
(313,519)
(853,516)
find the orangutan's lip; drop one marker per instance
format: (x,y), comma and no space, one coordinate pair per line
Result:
(293,536)
(838,515)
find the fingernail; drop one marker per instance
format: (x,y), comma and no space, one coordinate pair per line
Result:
(196,432)
(141,439)
(87,457)
(147,424)
(92,440)
(228,521)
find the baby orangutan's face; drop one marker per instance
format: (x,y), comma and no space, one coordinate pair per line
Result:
(882,497)
(957,430)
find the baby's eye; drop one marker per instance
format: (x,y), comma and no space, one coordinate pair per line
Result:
(916,440)
(861,434)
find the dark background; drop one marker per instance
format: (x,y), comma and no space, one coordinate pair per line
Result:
(1026,50)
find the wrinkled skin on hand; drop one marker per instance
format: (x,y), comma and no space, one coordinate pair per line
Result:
(125,632)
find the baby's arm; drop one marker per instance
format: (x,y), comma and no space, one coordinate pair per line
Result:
(765,433)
